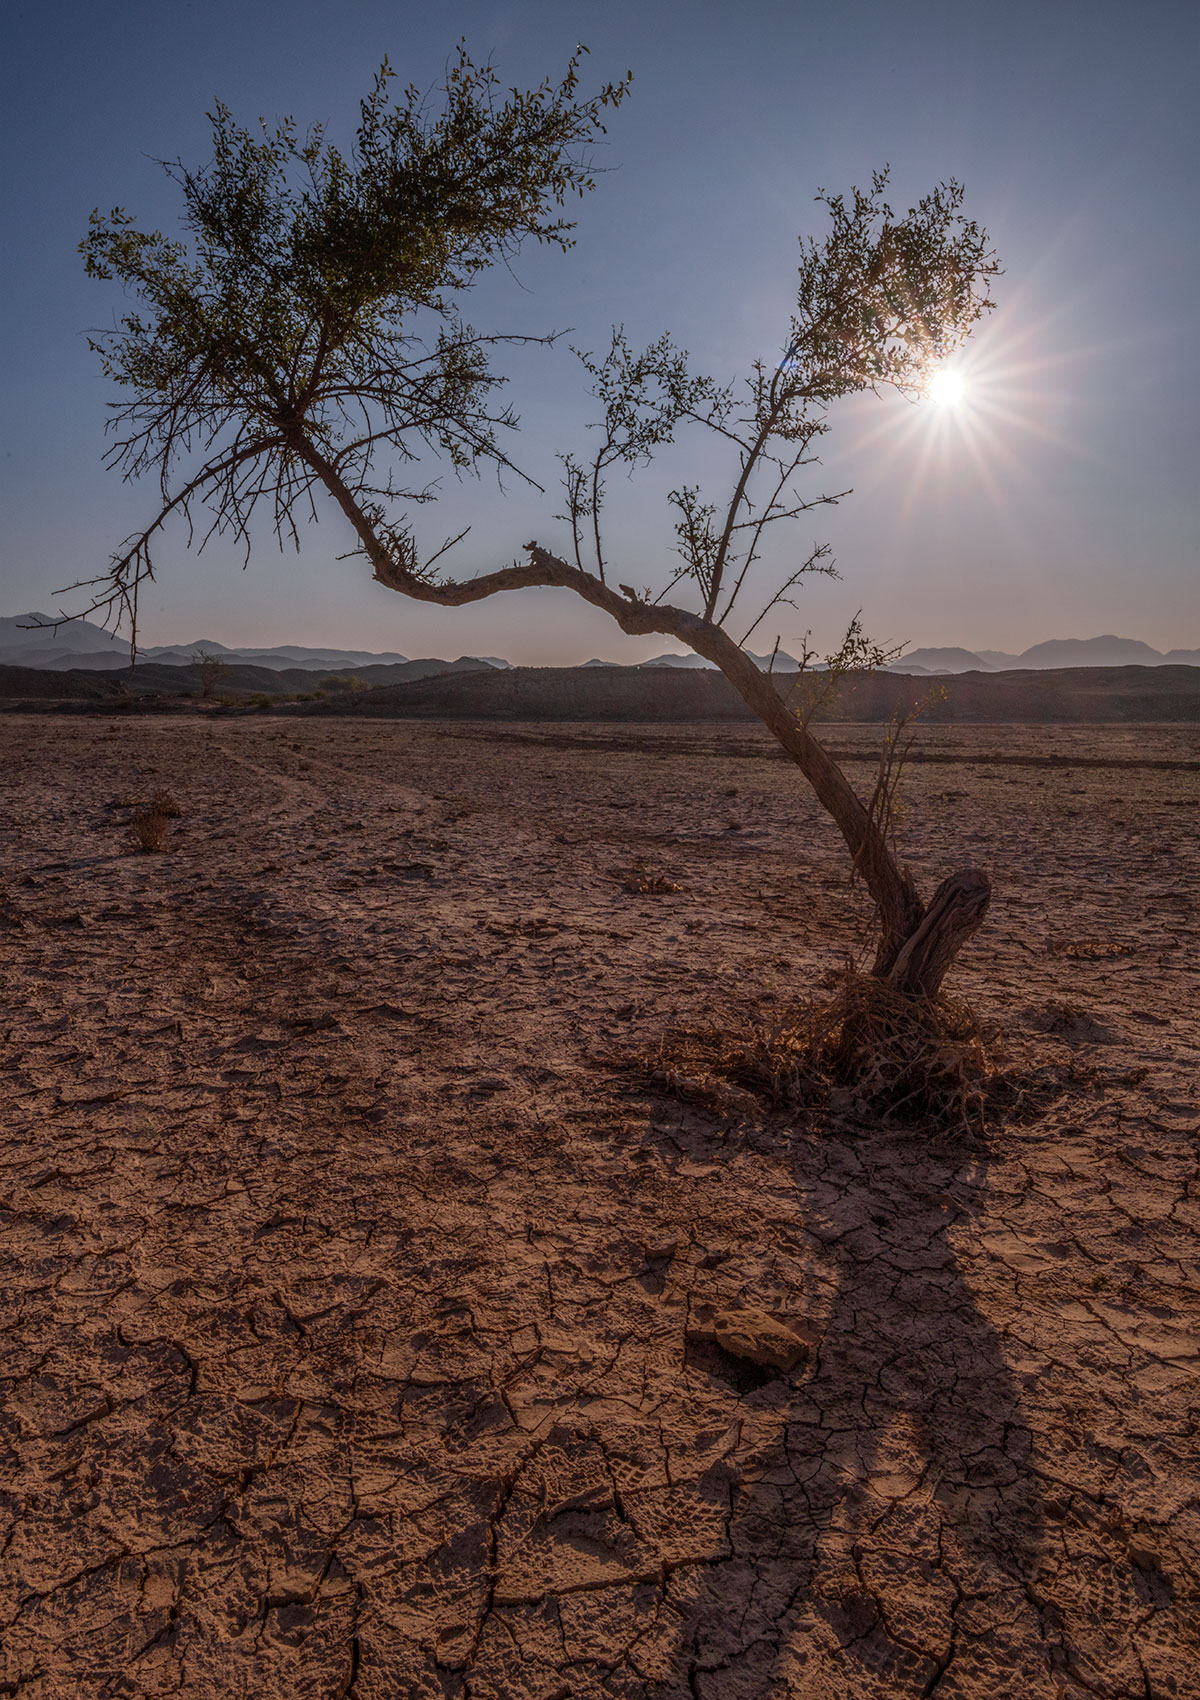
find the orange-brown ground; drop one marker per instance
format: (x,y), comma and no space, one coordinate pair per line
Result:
(348,1276)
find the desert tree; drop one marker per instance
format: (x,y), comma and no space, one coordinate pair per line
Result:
(303,342)
(209,668)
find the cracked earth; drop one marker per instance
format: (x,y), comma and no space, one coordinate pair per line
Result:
(350,1274)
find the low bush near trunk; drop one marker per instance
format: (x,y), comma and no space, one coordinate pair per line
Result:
(868,1048)
(150,829)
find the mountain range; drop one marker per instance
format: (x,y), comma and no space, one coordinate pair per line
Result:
(1107,651)
(781,662)
(31,640)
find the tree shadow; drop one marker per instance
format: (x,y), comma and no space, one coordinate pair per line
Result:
(890,1530)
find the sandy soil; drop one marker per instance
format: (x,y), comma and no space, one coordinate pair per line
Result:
(349,1281)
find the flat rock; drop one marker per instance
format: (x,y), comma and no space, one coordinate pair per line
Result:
(759,1338)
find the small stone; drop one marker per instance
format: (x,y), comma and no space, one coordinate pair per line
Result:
(761,1338)
(454,1642)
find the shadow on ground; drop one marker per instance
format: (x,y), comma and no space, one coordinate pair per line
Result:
(889,1533)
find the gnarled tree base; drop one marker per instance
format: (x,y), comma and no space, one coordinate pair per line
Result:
(919,964)
(904,1055)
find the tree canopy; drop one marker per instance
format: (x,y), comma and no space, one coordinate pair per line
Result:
(306,335)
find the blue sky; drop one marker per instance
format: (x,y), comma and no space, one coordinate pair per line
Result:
(1063,503)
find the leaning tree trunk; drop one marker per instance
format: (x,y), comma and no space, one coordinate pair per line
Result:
(918,942)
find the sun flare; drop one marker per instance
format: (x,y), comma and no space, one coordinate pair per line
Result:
(946,388)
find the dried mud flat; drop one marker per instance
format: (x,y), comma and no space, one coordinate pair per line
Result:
(352,1287)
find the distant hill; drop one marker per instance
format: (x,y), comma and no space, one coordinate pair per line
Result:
(82,643)
(34,684)
(938,661)
(284,657)
(236,679)
(390,674)
(783,662)
(1068,695)
(466,689)
(1057,652)
(1108,651)
(21,647)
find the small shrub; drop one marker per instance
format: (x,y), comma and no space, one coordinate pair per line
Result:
(164,804)
(150,829)
(869,1048)
(209,667)
(641,881)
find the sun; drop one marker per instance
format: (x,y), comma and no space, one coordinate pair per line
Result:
(947,388)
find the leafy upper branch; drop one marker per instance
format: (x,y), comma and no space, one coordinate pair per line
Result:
(314,299)
(879,301)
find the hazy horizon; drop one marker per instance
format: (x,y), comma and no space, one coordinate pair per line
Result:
(1061,503)
(635,651)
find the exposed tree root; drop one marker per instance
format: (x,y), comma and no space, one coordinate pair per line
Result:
(868,1048)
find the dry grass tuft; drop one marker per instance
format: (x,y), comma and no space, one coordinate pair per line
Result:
(641,881)
(869,1049)
(150,829)
(164,804)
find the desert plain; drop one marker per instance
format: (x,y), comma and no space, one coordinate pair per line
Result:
(362,1257)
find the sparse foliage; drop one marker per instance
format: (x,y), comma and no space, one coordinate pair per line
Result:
(641,881)
(210,669)
(150,829)
(819,679)
(308,337)
(884,804)
(337,682)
